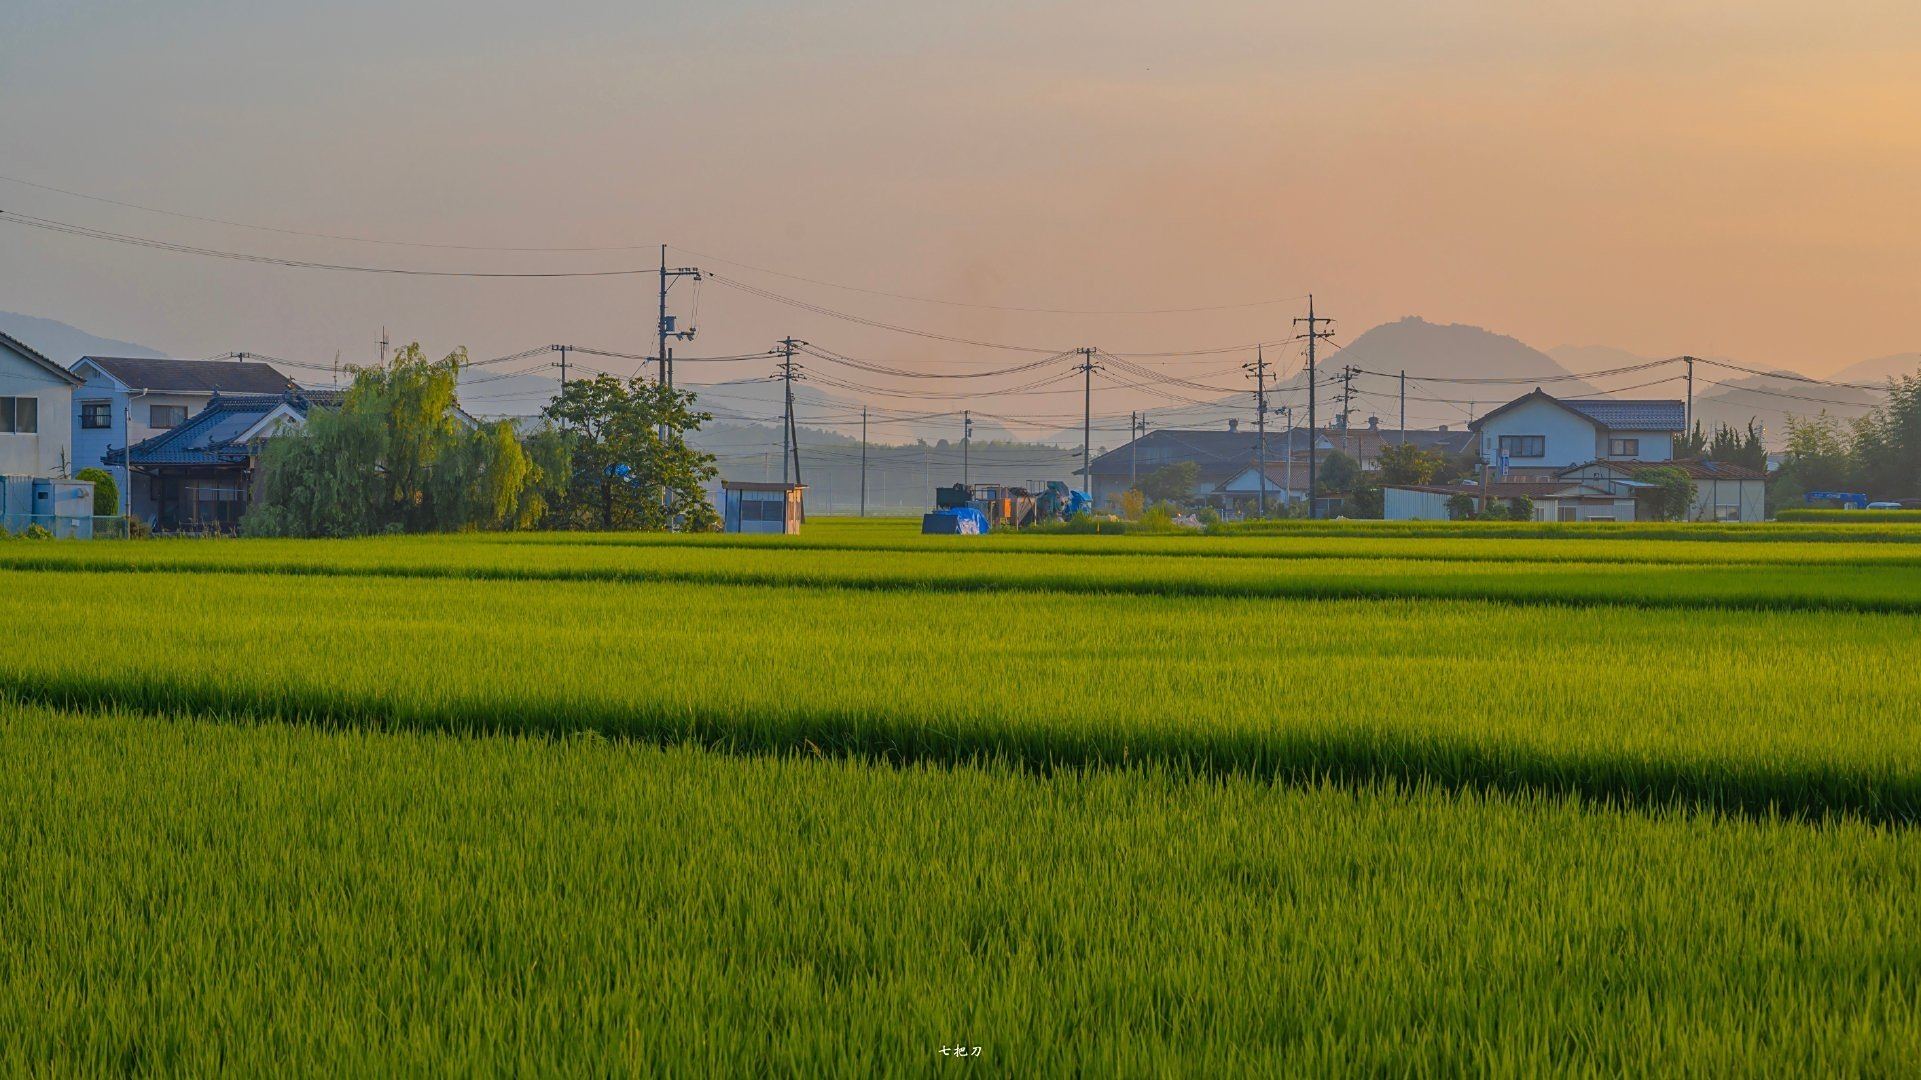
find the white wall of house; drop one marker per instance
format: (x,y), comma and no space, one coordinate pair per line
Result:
(1729,500)
(1568,438)
(47,450)
(1576,509)
(1641,446)
(1246,484)
(1401,504)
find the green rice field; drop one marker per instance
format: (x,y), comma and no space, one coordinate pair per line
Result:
(1322,798)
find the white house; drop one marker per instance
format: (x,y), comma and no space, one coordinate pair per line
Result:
(1539,434)
(1554,500)
(36,401)
(1722,492)
(127,400)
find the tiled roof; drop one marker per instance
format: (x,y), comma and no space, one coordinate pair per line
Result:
(193,376)
(1618,414)
(35,356)
(209,436)
(1503,489)
(1627,415)
(1695,468)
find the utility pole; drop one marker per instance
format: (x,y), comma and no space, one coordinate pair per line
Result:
(1287,451)
(1313,335)
(665,327)
(383,346)
(1087,418)
(1403,406)
(562,350)
(1133,451)
(967,441)
(789,435)
(863,461)
(1689,422)
(1260,428)
(1347,409)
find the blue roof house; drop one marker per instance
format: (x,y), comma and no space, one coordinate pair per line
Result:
(125,399)
(200,474)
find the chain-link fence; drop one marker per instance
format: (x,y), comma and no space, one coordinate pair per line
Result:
(64,526)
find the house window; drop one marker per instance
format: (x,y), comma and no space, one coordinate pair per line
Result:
(96,414)
(166,416)
(1624,448)
(1524,446)
(20,414)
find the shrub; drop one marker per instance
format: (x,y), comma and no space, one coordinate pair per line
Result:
(1673,492)
(106,493)
(1851,517)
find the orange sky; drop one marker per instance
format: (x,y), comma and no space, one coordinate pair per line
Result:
(1740,179)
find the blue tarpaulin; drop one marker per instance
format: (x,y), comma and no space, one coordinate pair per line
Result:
(961,521)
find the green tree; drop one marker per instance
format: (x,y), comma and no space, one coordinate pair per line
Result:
(1673,493)
(629,463)
(1171,483)
(1405,463)
(1737,447)
(1460,506)
(396,456)
(1691,445)
(106,493)
(1887,442)
(1365,501)
(1337,473)
(1819,457)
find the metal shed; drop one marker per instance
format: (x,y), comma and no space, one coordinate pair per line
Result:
(757,507)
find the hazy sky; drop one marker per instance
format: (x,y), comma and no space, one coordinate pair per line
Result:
(1737,178)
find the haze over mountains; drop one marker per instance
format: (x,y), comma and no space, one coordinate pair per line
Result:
(66,344)
(1430,353)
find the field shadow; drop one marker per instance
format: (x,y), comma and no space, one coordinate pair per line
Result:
(1808,792)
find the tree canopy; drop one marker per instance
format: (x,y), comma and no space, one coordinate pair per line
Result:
(396,456)
(1404,463)
(1171,483)
(628,463)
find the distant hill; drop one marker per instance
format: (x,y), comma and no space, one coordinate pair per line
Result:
(1424,349)
(66,344)
(1726,397)
(1880,369)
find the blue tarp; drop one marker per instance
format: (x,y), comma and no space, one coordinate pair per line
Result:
(1078,503)
(961,521)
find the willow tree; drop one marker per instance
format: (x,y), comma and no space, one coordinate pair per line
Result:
(397,455)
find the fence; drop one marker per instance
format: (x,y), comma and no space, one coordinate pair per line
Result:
(65,526)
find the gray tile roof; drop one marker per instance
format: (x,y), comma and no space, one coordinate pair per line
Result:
(1621,414)
(193,376)
(208,437)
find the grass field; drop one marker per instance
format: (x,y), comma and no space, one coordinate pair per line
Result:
(1328,800)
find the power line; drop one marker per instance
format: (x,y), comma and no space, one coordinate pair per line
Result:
(301,264)
(987,307)
(313,235)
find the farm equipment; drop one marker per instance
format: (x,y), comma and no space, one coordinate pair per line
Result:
(1847,500)
(1001,506)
